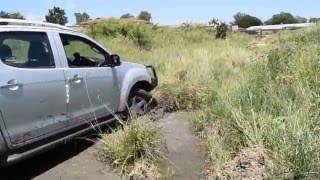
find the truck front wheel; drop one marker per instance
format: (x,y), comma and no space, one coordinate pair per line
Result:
(140,102)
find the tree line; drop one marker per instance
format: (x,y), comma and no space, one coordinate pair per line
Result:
(58,15)
(244,20)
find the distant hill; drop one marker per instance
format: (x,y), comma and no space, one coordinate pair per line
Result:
(101,20)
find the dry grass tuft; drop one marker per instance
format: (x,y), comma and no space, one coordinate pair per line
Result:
(129,143)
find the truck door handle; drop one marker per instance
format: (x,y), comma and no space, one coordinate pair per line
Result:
(12,85)
(76,79)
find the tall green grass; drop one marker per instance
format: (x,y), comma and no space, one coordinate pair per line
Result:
(275,104)
(247,91)
(187,61)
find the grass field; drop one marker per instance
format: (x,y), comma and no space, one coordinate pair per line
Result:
(247,91)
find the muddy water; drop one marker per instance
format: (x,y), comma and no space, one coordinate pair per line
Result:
(184,153)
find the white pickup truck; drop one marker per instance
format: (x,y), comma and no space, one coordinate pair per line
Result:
(56,83)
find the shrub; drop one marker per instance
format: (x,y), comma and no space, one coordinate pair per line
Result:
(139,33)
(141,36)
(220,28)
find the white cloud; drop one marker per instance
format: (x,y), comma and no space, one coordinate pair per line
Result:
(30,17)
(54,2)
(50,2)
(71,5)
(68,4)
(33,17)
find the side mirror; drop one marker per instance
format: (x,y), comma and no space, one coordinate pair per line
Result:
(114,60)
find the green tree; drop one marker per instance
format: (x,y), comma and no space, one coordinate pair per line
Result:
(145,15)
(127,15)
(245,20)
(301,19)
(4,14)
(314,20)
(14,15)
(57,16)
(81,17)
(282,18)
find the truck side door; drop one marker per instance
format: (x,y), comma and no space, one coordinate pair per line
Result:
(32,86)
(93,89)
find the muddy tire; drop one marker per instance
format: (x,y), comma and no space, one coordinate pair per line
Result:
(140,102)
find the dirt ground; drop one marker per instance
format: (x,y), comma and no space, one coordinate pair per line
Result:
(75,160)
(248,164)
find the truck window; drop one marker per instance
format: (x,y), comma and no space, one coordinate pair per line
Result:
(81,52)
(26,50)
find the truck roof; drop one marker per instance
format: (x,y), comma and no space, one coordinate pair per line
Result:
(17,23)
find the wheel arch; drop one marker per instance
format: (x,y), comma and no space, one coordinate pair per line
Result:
(145,85)
(134,78)
(127,91)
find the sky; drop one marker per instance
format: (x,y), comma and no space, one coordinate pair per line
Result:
(165,12)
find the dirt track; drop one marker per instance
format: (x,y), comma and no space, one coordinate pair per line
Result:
(76,161)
